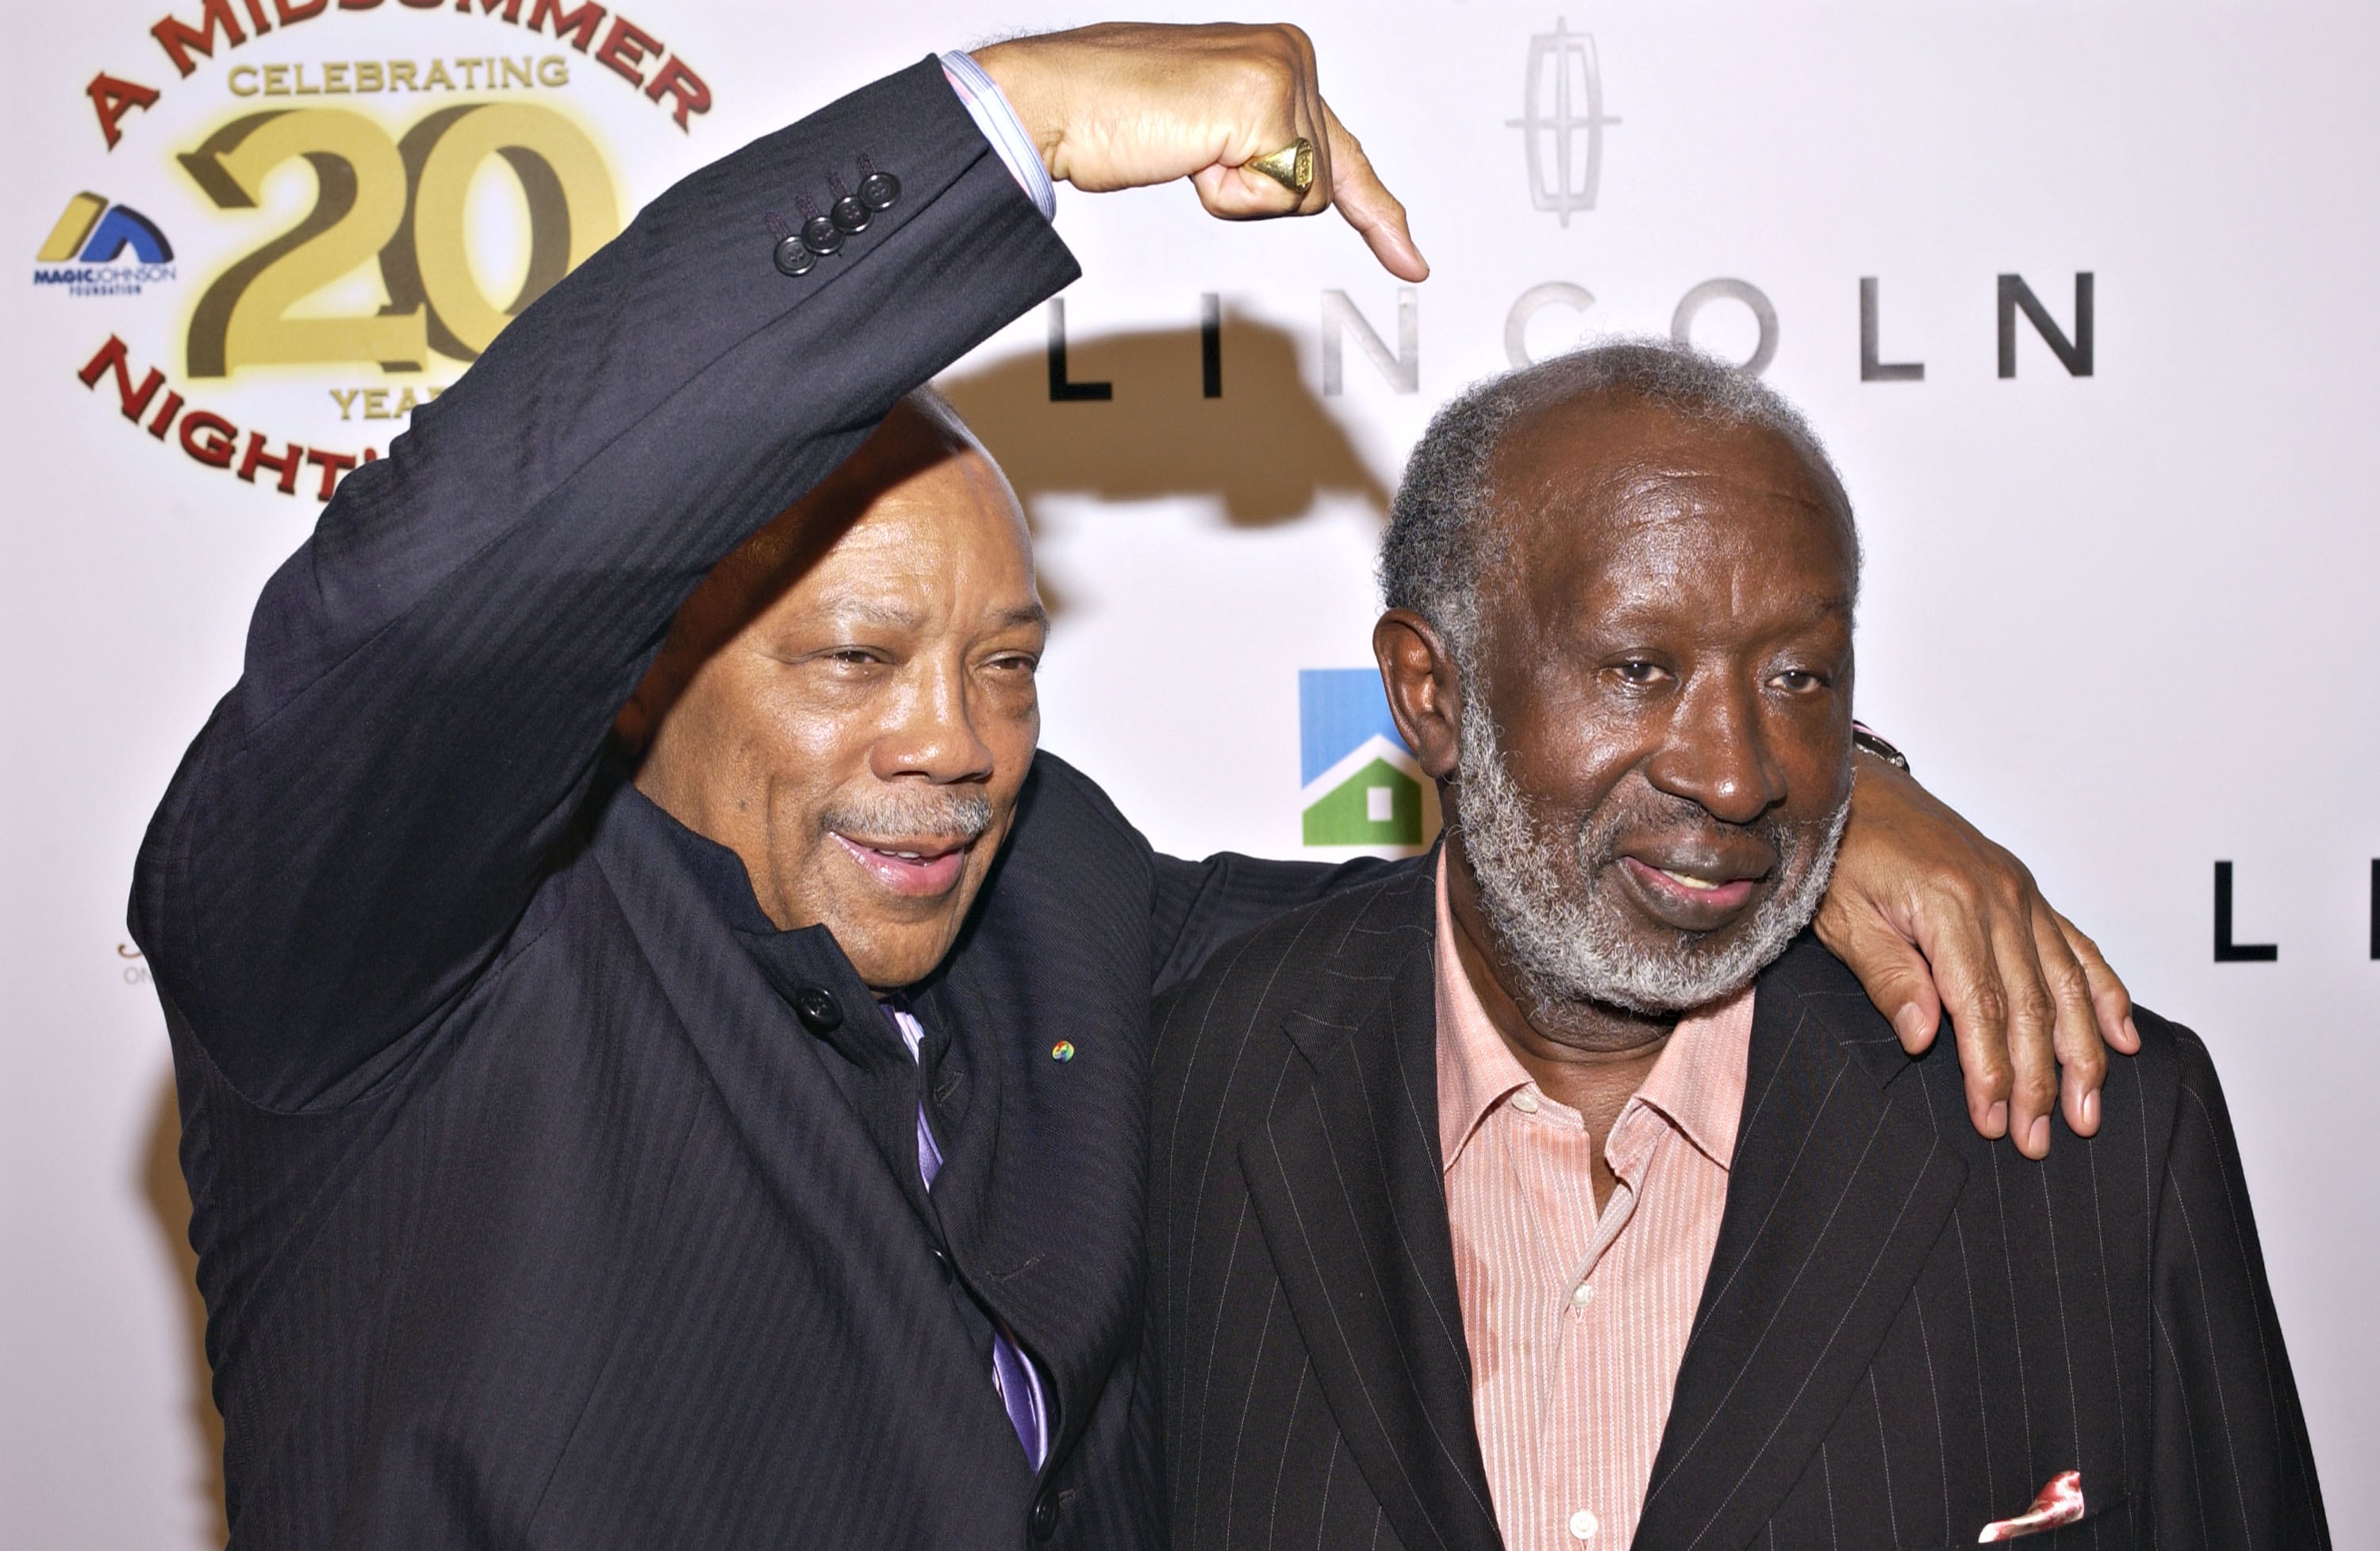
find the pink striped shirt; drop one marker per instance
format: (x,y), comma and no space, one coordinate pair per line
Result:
(1577,1321)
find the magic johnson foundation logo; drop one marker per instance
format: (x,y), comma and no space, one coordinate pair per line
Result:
(102,248)
(1562,121)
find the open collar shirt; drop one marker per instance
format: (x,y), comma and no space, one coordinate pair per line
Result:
(1577,1320)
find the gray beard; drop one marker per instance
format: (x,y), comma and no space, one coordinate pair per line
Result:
(1571,948)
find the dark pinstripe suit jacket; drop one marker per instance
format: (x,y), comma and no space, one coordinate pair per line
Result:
(529,1213)
(1906,1331)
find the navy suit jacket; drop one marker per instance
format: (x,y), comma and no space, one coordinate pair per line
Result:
(1905,1332)
(541,1198)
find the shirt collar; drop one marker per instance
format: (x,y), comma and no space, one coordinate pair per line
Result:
(1475,1069)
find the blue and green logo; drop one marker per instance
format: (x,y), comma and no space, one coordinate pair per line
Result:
(81,251)
(1362,785)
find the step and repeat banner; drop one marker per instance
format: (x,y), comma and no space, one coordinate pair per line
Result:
(2079,295)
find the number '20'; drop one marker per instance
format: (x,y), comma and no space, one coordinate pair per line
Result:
(402,200)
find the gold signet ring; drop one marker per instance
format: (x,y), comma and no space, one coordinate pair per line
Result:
(1291,166)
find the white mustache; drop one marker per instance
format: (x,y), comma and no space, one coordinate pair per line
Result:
(959,814)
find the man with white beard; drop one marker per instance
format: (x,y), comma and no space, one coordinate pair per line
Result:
(1562,1191)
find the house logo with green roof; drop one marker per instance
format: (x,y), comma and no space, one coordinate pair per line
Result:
(1361,786)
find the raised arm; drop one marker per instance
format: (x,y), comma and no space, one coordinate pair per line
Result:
(430,681)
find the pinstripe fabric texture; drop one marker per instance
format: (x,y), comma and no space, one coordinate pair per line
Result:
(1575,1319)
(1904,1331)
(527,1212)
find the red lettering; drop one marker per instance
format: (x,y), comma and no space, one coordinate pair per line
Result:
(256,16)
(113,99)
(165,413)
(116,356)
(333,465)
(678,81)
(220,437)
(358,5)
(625,49)
(423,4)
(178,38)
(580,23)
(300,10)
(287,465)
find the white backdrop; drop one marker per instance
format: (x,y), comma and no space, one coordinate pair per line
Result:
(2122,619)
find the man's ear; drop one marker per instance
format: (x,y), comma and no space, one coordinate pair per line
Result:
(1424,691)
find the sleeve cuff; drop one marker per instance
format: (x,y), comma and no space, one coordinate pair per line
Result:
(987,105)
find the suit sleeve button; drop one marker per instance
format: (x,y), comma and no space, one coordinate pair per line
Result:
(878,190)
(818,235)
(791,257)
(1044,1520)
(849,215)
(817,1010)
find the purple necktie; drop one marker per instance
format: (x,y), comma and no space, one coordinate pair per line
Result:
(1012,1375)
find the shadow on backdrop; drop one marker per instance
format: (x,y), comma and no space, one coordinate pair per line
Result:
(169,1203)
(1265,448)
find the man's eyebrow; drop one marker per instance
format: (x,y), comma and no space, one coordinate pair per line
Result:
(890,616)
(871,611)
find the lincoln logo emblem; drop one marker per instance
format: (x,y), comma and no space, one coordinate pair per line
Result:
(1562,121)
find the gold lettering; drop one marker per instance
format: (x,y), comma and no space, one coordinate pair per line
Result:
(437,77)
(553,70)
(368,75)
(237,89)
(376,403)
(404,403)
(304,90)
(400,73)
(335,76)
(276,81)
(470,68)
(345,400)
(516,75)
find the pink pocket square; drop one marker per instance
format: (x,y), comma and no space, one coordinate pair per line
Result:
(2060,1503)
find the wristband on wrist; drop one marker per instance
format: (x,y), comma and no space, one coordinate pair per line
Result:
(1865,738)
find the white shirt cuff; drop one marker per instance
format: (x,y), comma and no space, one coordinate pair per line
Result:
(987,105)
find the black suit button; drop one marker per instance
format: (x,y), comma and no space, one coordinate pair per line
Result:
(878,190)
(820,236)
(849,215)
(1044,1518)
(793,257)
(817,1010)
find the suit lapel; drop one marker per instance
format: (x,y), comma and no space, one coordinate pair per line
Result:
(1344,1177)
(1840,1186)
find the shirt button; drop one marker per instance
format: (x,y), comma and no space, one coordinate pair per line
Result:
(1580,1296)
(1525,1102)
(1583,1525)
